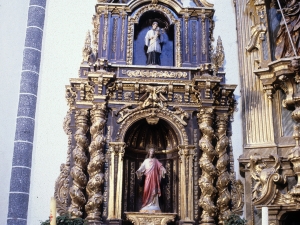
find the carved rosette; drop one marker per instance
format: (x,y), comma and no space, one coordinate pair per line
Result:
(94,169)
(222,164)
(206,181)
(80,162)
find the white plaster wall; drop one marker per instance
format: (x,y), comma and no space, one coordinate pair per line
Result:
(66,25)
(65,28)
(225,27)
(13,20)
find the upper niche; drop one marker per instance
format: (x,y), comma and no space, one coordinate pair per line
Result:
(140,30)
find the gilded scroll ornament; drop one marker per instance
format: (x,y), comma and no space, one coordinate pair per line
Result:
(206,181)
(62,183)
(222,164)
(94,169)
(80,163)
(155,74)
(258,31)
(261,175)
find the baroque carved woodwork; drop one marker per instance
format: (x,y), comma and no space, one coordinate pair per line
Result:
(268,50)
(117,108)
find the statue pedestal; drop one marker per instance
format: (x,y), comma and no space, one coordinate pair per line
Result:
(138,218)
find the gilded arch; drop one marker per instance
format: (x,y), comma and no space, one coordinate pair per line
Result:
(160,113)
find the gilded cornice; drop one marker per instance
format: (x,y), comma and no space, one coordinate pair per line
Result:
(180,9)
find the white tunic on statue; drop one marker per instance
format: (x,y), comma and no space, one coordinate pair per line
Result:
(152,40)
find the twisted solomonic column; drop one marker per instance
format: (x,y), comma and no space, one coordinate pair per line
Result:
(80,162)
(206,181)
(95,166)
(222,164)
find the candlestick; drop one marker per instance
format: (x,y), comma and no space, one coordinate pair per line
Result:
(265,216)
(52,217)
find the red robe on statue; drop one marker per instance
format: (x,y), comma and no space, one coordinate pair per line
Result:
(153,171)
(152,183)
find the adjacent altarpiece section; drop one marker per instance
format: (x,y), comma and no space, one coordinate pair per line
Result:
(269,68)
(118,107)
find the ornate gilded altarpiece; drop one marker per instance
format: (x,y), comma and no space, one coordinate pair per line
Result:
(269,68)
(118,105)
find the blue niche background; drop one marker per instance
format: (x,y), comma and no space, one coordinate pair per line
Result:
(140,30)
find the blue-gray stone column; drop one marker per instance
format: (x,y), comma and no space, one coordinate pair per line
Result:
(23,144)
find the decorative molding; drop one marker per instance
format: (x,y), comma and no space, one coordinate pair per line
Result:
(146,218)
(115,31)
(105,29)
(155,74)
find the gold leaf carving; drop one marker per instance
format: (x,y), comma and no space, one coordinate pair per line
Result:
(94,169)
(154,74)
(80,163)
(206,181)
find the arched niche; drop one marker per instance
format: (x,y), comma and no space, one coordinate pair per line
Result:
(290,218)
(137,137)
(140,30)
(138,20)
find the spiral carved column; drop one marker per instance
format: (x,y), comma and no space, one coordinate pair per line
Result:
(222,164)
(95,166)
(206,181)
(80,162)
